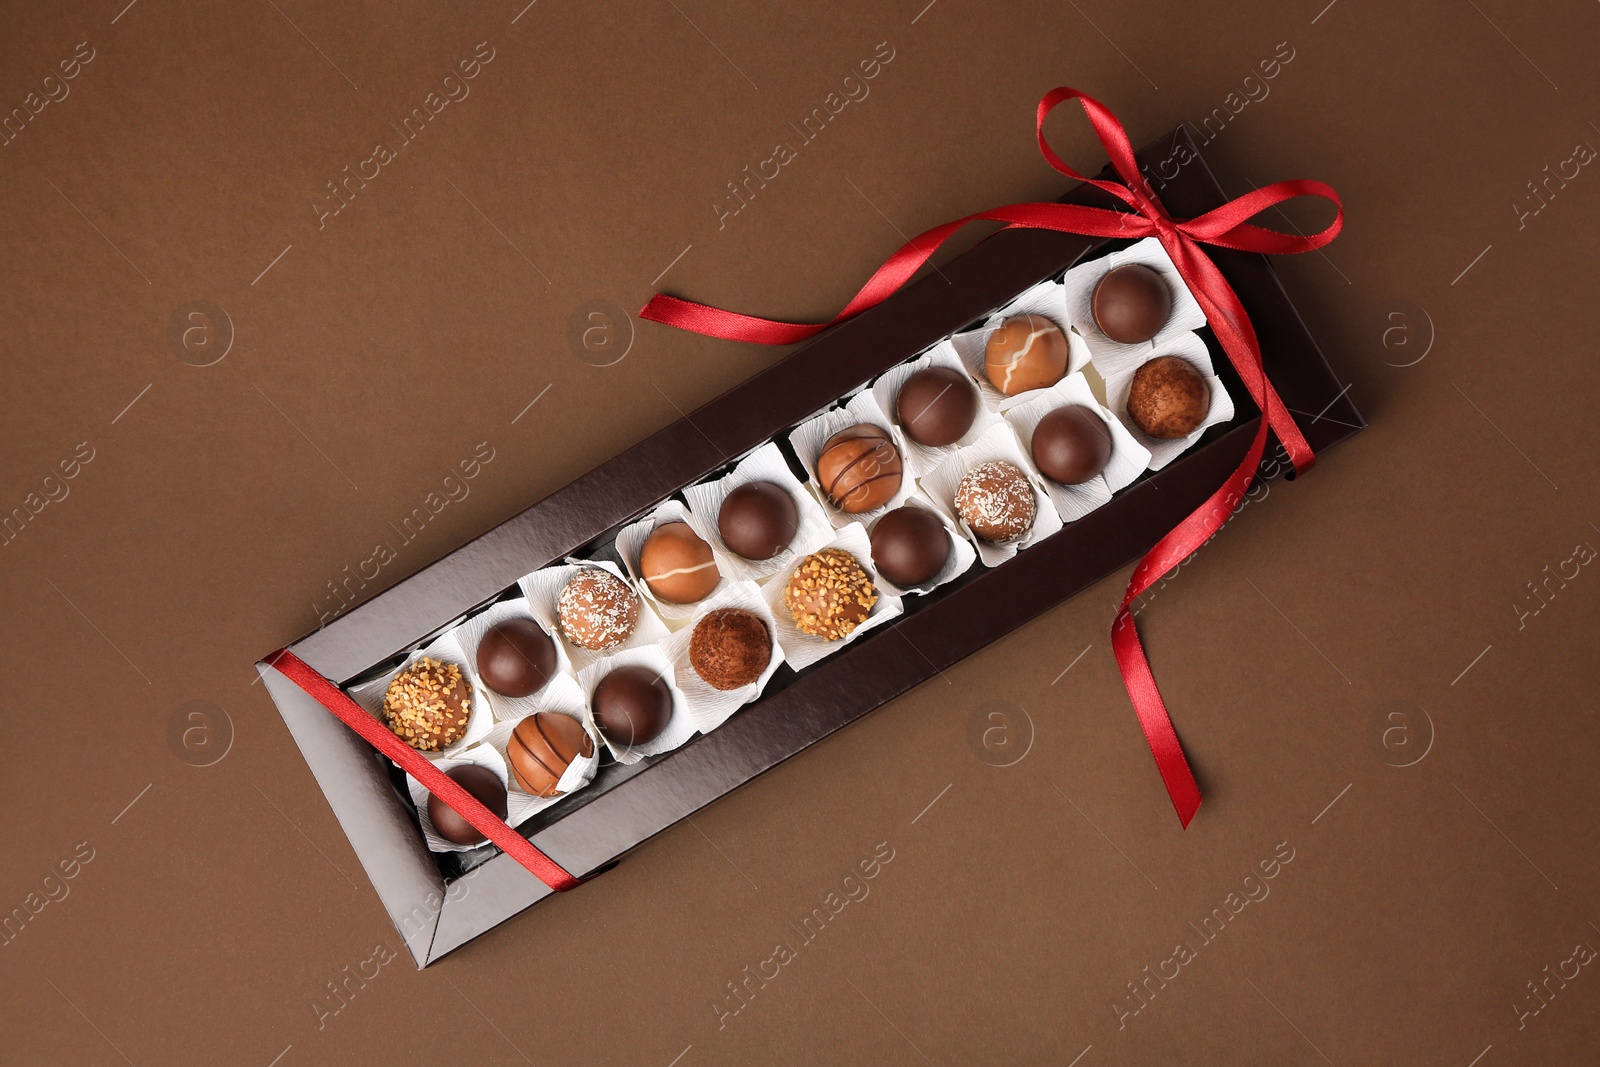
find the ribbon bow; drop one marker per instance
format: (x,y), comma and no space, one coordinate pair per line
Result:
(1227,227)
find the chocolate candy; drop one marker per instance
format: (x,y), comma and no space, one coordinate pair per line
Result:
(910,546)
(1071,445)
(516,658)
(758,520)
(1131,303)
(1027,352)
(829,594)
(730,648)
(631,705)
(542,747)
(597,609)
(859,469)
(428,704)
(997,501)
(485,787)
(1168,398)
(677,565)
(936,406)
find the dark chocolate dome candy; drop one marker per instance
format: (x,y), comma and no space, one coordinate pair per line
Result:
(936,406)
(516,658)
(910,546)
(1071,445)
(1131,303)
(758,520)
(484,785)
(631,705)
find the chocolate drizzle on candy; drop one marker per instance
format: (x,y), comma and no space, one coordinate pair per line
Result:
(428,704)
(859,469)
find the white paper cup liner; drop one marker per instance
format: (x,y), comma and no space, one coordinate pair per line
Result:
(708,706)
(680,727)
(920,459)
(631,539)
(1190,347)
(562,696)
(543,588)
(471,632)
(483,756)
(808,438)
(801,649)
(1128,456)
(962,553)
(1112,357)
(1046,299)
(1002,444)
(447,649)
(765,464)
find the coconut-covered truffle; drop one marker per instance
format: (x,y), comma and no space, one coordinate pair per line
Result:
(1168,398)
(428,704)
(829,594)
(597,610)
(729,648)
(997,501)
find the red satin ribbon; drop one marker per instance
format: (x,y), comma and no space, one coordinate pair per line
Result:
(1228,227)
(432,778)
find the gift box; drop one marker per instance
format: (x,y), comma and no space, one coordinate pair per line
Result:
(439,900)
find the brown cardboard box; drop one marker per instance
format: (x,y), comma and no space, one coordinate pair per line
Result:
(221,906)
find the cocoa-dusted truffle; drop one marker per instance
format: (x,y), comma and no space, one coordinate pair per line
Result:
(542,747)
(757,520)
(632,705)
(484,786)
(997,501)
(597,609)
(859,469)
(829,594)
(729,648)
(1131,303)
(910,546)
(936,406)
(1168,398)
(677,565)
(1071,445)
(516,658)
(428,704)
(1026,352)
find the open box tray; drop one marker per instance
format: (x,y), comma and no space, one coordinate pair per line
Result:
(440,902)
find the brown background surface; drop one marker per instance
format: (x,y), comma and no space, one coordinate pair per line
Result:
(373,353)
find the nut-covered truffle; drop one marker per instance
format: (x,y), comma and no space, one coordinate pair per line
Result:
(542,747)
(997,501)
(1168,398)
(829,594)
(936,406)
(1131,303)
(757,520)
(484,786)
(729,648)
(1026,352)
(677,565)
(597,609)
(859,469)
(428,704)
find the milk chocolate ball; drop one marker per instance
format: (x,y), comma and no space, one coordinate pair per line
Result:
(859,469)
(936,406)
(516,658)
(677,565)
(1131,303)
(1071,445)
(1026,352)
(542,747)
(1168,398)
(484,786)
(758,520)
(632,705)
(910,546)
(997,501)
